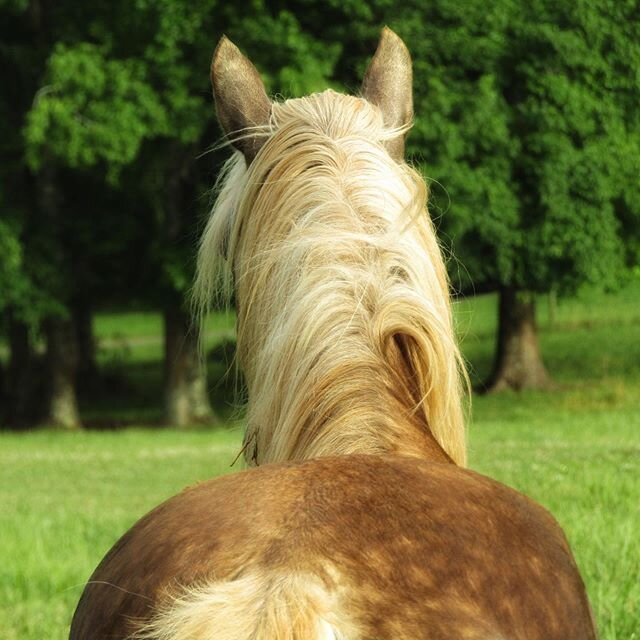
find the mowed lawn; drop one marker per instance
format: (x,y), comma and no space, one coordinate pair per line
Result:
(66,498)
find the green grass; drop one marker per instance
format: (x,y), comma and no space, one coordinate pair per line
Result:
(148,325)
(66,498)
(583,465)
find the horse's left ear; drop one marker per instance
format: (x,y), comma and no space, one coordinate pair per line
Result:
(241,100)
(388,84)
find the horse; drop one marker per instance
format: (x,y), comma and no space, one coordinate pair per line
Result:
(356,519)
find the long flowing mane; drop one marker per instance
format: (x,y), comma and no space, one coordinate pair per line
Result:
(344,323)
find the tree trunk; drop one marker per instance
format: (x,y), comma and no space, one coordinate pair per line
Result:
(62,364)
(518,364)
(22,401)
(186,399)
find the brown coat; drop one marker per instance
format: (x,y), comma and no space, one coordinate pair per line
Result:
(416,549)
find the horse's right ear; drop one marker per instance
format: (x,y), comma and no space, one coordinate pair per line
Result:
(388,84)
(241,100)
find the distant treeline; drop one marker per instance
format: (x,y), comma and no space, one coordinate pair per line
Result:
(527,124)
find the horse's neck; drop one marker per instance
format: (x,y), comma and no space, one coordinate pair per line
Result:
(354,405)
(367,418)
(337,336)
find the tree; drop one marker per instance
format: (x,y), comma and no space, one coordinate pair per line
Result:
(124,104)
(77,109)
(525,114)
(173,180)
(27,298)
(15,381)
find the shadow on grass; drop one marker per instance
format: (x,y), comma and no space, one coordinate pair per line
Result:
(128,391)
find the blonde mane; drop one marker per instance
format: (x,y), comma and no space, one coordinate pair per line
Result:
(345,331)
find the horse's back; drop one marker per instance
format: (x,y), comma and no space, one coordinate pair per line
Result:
(356,547)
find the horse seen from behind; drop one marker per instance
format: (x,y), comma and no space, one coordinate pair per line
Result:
(357,520)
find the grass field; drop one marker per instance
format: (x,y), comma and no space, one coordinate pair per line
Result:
(65,498)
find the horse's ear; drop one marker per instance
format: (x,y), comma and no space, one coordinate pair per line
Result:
(241,100)
(388,84)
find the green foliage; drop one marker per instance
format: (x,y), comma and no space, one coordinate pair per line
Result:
(524,122)
(14,5)
(20,290)
(294,61)
(91,109)
(10,262)
(15,287)
(128,99)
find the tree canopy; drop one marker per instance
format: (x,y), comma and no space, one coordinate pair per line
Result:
(526,126)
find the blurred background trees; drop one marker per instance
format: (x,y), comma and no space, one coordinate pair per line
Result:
(526,123)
